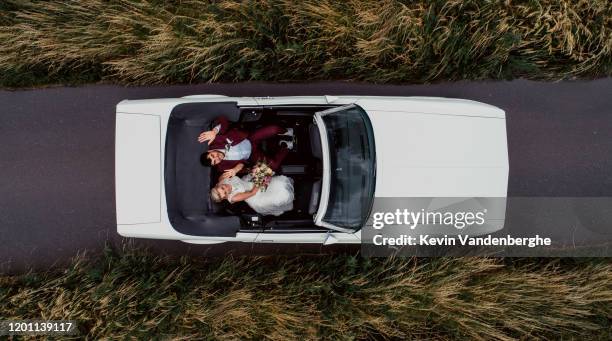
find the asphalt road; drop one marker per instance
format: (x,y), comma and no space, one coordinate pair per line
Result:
(57,156)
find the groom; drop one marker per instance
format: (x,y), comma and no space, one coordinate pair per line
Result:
(230,149)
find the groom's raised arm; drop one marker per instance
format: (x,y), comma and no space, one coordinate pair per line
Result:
(221,124)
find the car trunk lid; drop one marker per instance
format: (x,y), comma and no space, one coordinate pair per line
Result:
(138,168)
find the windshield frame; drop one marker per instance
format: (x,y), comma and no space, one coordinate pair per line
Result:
(326,181)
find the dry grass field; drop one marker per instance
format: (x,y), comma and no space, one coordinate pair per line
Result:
(133,294)
(162,42)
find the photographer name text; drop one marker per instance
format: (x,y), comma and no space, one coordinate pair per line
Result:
(464,240)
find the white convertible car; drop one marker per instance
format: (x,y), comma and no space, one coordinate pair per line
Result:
(350,150)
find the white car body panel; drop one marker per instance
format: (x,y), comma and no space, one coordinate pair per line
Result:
(430,105)
(307,238)
(306,100)
(219,97)
(426,147)
(138,183)
(163,228)
(441,155)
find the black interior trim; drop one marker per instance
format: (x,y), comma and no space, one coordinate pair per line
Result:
(187,180)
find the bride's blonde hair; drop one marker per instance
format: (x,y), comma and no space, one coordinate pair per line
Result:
(215,195)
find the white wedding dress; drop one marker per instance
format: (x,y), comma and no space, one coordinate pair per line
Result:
(275,200)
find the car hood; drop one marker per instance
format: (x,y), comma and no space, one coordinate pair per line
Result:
(448,152)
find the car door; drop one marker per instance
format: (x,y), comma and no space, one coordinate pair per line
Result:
(247,102)
(294,100)
(307,237)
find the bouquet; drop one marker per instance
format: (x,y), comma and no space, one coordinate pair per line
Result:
(261,174)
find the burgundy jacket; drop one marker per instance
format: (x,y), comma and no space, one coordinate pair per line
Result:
(225,133)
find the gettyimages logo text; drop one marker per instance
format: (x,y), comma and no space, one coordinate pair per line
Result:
(412,219)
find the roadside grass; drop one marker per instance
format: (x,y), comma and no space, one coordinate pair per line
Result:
(162,42)
(134,294)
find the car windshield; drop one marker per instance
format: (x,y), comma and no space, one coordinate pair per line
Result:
(352,167)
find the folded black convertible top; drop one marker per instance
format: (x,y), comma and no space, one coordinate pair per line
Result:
(187,180)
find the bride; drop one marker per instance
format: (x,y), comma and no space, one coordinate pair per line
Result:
(275,200)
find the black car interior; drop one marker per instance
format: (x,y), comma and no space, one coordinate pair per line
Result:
(304,164)
(188,180)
